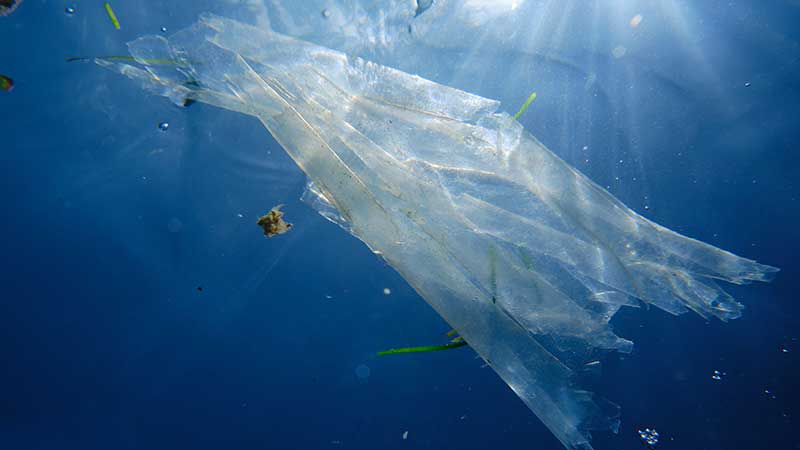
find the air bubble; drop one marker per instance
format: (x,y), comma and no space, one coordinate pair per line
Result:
(362,371)
(69,10)
(163,126)
(650,437)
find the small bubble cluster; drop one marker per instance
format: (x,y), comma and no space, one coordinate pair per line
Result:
(648,436)
(716,375)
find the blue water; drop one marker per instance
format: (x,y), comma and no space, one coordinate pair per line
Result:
(143,309)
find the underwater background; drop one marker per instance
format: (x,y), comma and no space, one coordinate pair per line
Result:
(143,308)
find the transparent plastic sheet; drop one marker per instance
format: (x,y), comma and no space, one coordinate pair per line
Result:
(514,248)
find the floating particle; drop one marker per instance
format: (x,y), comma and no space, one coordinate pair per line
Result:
(163,126)
(387,291)
(405,435)
(329,297)
(163,29)
(784,350)
(8,6)
(174,225)
(6,83)
(585,147)
(362,371)
(747,84)
(590,80)
(239,215)
(525,105)
(69,10)
(112,16)
(326,13)
(272,222)
(619,51)
(199,288)
(636,20)
(716,375)
(649,437)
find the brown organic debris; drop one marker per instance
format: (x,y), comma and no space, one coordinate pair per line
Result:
(273,223)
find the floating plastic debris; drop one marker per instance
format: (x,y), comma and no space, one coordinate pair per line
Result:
(118,58)
(6,83)
(8,6)
(112,16)
(163,126)
(422,6)
(649,437)
(474,212)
